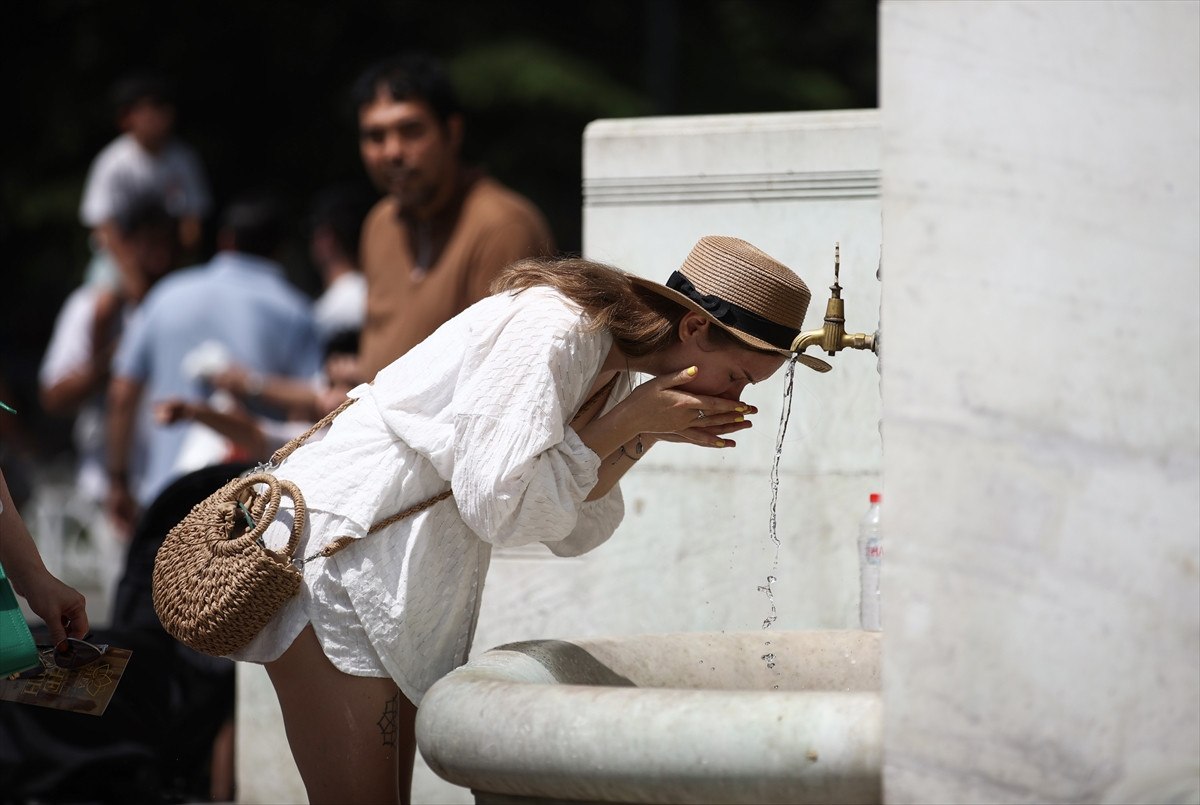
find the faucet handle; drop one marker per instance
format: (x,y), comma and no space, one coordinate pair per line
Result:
(837,270)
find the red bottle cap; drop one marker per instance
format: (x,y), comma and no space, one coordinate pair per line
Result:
(876,497)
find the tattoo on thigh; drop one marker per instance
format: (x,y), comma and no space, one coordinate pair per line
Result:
(387,722)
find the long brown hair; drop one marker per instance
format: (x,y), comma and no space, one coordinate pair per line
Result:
(641,321)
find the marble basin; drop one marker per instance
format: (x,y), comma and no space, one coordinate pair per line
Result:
(762,717)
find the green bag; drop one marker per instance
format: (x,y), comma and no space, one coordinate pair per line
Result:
(17,650)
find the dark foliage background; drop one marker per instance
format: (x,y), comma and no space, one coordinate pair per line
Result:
(262,97)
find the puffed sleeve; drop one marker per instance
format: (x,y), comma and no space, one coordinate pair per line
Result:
(598,519)
(520,473)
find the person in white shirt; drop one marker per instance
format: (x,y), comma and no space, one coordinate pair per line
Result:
(146,159)
(74,373)
(523,407)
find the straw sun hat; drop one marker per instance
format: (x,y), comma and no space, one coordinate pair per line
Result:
(751,295)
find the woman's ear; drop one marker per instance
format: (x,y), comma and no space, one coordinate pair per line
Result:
(692,326)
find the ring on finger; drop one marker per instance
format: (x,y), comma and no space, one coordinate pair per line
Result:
(700,414)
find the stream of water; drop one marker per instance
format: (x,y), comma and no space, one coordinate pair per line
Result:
(773,528)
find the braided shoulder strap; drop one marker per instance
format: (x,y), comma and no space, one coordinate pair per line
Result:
(341,542)
(279,455)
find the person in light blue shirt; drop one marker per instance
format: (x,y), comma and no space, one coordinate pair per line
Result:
(238,308)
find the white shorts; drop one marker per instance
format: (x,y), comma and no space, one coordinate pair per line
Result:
(322,601)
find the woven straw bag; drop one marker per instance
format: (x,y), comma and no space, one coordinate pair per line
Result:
(215,583)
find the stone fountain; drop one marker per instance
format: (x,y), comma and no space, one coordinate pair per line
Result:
(745,717)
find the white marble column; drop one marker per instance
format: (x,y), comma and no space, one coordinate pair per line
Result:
(1041,401)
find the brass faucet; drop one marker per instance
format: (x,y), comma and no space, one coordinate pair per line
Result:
(832,336)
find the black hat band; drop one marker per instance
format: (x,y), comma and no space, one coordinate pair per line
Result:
(735,316)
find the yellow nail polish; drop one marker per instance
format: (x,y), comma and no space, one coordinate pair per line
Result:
(740,419)
(692,371)
(719,442)
(741,409)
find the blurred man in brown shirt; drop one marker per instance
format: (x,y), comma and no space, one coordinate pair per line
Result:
(433,244)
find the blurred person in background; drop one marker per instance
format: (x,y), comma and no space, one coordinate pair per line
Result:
(73,379)
(335,223)
(239,308)
(146,159)
(432,246)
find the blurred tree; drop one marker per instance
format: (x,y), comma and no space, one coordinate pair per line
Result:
(262,97)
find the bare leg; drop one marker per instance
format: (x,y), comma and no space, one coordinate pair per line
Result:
(353,737)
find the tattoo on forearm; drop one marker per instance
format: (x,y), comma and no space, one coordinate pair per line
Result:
(387,722)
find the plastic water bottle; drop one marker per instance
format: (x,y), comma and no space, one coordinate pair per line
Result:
(870,558)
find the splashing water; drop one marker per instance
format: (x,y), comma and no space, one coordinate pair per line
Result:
(773,527)
(766,588)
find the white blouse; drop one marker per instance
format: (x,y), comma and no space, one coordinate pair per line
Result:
(481,407)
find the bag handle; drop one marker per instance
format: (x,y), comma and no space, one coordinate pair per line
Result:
(276,487)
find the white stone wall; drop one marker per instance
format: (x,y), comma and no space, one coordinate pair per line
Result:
(1041,401)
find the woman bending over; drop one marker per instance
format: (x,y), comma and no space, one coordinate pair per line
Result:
(523,408)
